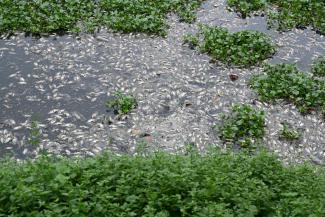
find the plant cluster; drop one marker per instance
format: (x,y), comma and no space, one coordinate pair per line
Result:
(318,68)
(244,48)
(34,134)
(286,14)
(289,133)
(245,7)
(216,184)
(285,81)
(122,104)
(44,16)
(243,126)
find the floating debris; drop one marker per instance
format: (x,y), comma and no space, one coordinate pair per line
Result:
(65,82)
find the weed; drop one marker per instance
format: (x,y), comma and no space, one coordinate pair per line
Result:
(289,133)
(285,15)
(286,82)
(122,104)
(243,126)
(37,16)
(244,48)
(34,134)
(161,184)
(245,7)
(318,68)
(44,16)
(191,40)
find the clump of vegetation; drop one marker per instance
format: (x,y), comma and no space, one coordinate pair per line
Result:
(146,15)
(47,16)
(289,133)
(244,126)
(244,48)
(34,134)
(192,40)
(245,7)
(44,16)
(318,68)
(286,82)
(161,184)
(122,104)
(286,14)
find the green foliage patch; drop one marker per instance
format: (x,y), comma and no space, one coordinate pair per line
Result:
(245,7)
(289,133)
(285,81)
(122,104)
(162,185)
(285,15)
(244,48)
(243,126)
(318,68)
(45,16)
(34,134)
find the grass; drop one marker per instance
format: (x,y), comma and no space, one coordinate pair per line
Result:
(244,126)
(244,48)
(122,104)
(286,82)
(285,15)
(161,185)
(46,16)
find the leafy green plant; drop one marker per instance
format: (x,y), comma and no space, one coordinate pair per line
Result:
(286,15)
(243,126)
(289,133)
(161,184)
(244,48)
(45,16)
(286,82)
(245,7)
(34,134)
(191,40)
(38,16)
(122,104)
(318,68)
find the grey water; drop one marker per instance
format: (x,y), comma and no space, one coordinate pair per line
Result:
(63,82)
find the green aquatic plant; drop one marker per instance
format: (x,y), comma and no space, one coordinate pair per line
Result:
(122,104)
(285,81)
(289,133)
(161,184)
(285,15)
(34,134)
(244,126)
(244,48)
(43,16)
(46,16)
(245,7)
(191,40)
(318,68)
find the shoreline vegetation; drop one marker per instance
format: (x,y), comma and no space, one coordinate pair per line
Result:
(160,184)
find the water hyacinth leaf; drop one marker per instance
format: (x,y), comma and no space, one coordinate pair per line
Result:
(244,48)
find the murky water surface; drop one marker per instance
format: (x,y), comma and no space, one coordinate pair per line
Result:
(63,82)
